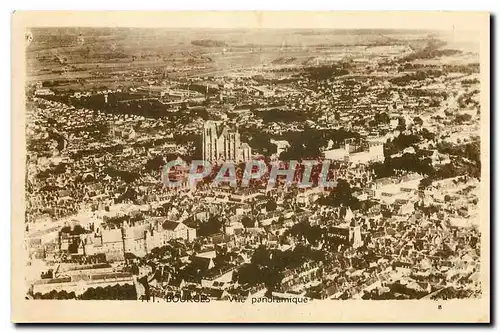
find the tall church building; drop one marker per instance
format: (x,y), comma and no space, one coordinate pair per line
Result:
(220,143)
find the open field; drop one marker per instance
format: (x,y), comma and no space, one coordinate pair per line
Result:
(79,53)
(97,58)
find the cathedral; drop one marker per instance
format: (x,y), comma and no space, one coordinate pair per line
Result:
(220,143)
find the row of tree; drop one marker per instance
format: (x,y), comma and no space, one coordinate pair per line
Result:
(341,195)
(116,292)
(267,266)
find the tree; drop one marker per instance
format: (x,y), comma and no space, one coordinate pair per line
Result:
(401,124)
(418,121)
(271,205)
(272,278)
(427,135)
(341,195)
(314,234)
(247,222)
(212,226)
(154,164)
(382,118)
(281,220)
(473,152)
(424,183)
(260,256)
(300,230)
(134,269)
(386,213)
(222,257)
(462,118)
(249,274)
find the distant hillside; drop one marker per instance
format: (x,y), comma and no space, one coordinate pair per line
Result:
(208,43)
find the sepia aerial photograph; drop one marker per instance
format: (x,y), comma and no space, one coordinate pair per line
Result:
(255,166)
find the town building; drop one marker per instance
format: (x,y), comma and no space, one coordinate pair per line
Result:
(355,153)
